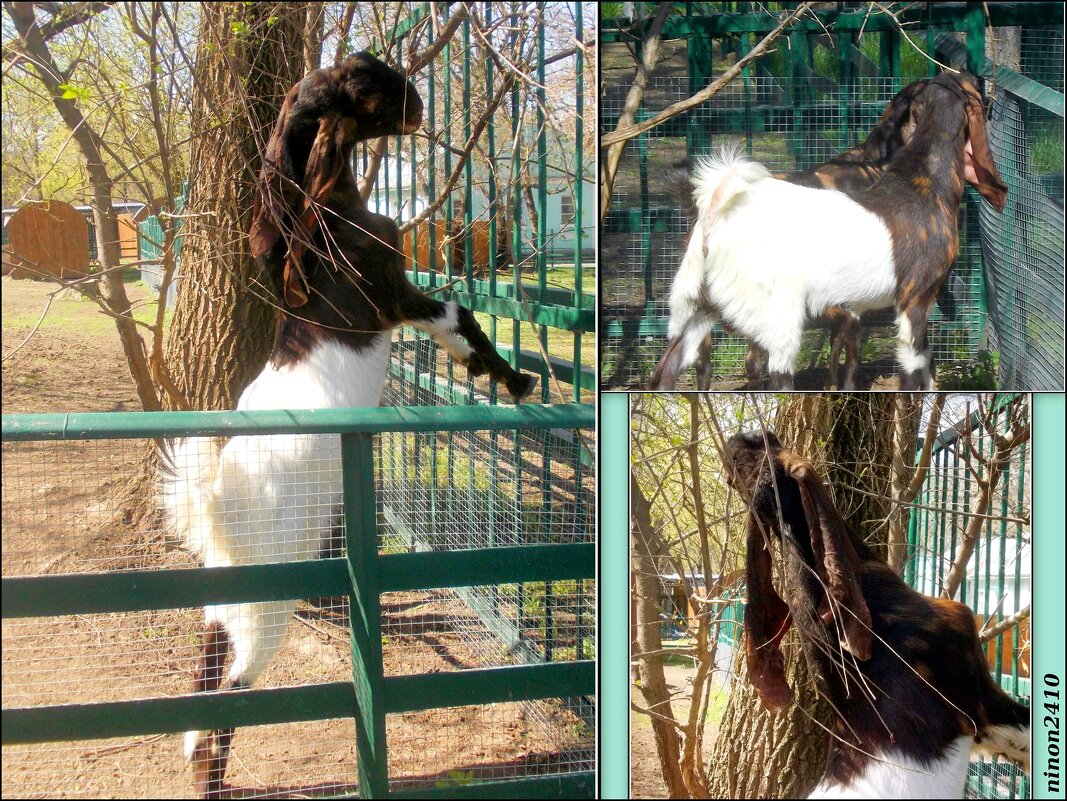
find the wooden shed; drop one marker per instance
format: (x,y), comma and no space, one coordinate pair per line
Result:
(49,237)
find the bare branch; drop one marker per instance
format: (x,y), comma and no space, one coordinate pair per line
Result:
(673,110)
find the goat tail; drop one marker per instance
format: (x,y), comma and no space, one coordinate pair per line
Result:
(187,475)
(721,181)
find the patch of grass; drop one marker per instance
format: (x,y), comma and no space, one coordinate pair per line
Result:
(717,706)
(1046,152)
(81,315)
(970,375)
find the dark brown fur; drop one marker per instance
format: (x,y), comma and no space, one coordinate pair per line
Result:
(337,267)
(920,193)
(860,625)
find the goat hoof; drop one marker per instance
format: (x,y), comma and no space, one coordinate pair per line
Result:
(520,385)
(209,755)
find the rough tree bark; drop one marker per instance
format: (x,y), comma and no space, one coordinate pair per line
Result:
(757,755)
(643,550)
(249,55)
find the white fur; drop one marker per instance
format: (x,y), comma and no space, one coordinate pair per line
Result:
(910,359)
(769,255)
(444,331)
(1012,742)
(893,775)
(264,499)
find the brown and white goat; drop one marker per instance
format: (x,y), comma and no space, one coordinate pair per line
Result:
(337,272)
(892,245)
(905,673)
(853,170)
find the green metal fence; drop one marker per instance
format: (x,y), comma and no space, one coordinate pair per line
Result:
(997,582)
(95,650)
(820,92)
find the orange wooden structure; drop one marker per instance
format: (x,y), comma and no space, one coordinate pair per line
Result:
(129,241)
(1007,656)
(479,231)
(47,237)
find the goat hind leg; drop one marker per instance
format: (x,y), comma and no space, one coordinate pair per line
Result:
(254,632)
(704,363)
(682,350)
(207,751)
(755,362)
(782,344)
(844,334)
(455,327)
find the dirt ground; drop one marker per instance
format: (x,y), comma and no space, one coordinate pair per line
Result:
(646,775)
(59,516)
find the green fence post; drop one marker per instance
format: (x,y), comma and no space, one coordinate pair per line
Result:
(578,206)
(361,541)
(542,198)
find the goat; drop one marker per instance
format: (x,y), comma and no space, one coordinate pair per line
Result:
(338,273)
(904,673)
(852,170)
(891,245)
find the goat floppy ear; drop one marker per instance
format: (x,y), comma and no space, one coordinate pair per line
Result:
(326,162)
(268,207)
(766,622)
(837,557)
(988,182)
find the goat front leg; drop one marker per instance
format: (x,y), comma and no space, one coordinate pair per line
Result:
(455,327)
(913,348)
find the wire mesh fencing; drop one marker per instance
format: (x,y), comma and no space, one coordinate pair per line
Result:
(66,514)
(996,582)
(998,320)
(1023,248)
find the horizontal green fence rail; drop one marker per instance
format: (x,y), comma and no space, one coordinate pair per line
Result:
(488,686)
(136,591)
(363,575)
(129,425)
(177,714)
(293,704)
(580,784)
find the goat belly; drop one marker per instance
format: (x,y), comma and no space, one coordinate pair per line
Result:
(893,775)
(790,252)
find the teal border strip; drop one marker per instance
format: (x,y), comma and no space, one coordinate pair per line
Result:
(1048,589)
(614,706)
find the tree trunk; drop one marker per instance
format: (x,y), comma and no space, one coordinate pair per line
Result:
(249,55)
(849,438)
(643,550)
(105,219)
